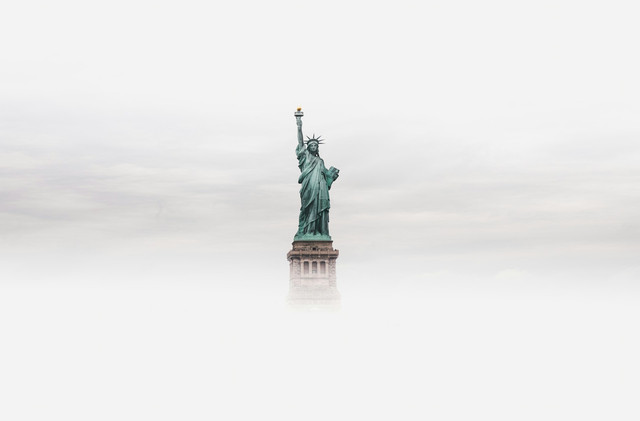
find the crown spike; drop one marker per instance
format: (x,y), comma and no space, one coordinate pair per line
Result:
(318,139)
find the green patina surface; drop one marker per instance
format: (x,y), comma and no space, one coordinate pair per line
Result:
(315,180)
(312,237)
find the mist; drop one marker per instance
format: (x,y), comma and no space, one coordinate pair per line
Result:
(486,210)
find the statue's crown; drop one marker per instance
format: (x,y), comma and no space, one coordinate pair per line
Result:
(318,140)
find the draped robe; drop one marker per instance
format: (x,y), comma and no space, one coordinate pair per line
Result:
(316,181)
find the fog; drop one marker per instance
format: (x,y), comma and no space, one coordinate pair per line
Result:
(486,210)
(179,350)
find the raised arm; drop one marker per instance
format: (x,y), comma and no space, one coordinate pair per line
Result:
(299,115)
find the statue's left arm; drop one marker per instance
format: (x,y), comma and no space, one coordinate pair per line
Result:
(331,175)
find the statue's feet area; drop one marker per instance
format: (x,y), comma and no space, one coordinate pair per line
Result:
(312,237)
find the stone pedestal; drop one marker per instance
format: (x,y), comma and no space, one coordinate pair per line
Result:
(312,275)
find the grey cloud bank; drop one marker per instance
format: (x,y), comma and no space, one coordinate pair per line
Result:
(404,195)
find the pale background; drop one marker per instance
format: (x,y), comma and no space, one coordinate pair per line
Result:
(486,212)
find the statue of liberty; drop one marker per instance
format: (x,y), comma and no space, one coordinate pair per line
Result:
(316,180)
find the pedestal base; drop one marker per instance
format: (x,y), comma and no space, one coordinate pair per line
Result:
(312,275)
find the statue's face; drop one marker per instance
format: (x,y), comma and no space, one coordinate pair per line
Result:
(313,147)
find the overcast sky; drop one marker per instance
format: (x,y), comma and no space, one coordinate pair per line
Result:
(486,211)
(501,135)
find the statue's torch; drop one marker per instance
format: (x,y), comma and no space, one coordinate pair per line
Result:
(299,115)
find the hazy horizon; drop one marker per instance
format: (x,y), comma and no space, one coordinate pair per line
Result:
(486,211)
